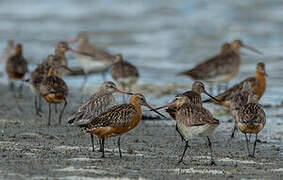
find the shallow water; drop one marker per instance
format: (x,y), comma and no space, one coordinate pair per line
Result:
(161,38)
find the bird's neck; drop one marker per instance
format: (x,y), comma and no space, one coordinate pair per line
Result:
(60,53)
(138,115)
(260,77)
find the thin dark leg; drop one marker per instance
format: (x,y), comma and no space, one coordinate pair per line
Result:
(20,90)
(250,137)
(211,152)
(247,141)
(49,114)
(39,103)
(92,144)
(84,81)
(253,155)
(181,135)
(36,106)
(62,111)
(186,147)
(233,131)
(11,85)
(102,145)
(55,107)
(120,153)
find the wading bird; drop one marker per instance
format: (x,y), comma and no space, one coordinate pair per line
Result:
(195,98)
(94,58)
(250,119)
(124,73)
(193,121)
(16,67)
(258,84)
(54,90)
(222,67)
(117,120)
(96,104)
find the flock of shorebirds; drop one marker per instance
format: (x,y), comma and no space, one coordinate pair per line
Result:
(98,115)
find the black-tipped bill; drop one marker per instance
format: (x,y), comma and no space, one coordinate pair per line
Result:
(211,96)
(125,92)
(151,109)
(253,49)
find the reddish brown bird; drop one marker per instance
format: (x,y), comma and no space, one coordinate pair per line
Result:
(124,73)
(117,120)
(57,61)
(193,121)
(251,119)
(16,67)
(54,90)
(222,67)
(96,104)
(94,59)
(238,100)
(258,86)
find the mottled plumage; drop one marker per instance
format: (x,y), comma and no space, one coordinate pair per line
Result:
(194,97)
(251,119)
(221,67)
(124,72)
(16,65)
(193,121)
(117,120)
(54,90)
(120,115)
(258,84)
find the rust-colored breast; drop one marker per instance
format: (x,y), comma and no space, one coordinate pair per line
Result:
(55,98)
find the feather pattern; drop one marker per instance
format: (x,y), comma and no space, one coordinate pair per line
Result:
(16,65)
(53,84)
(251,113)
(119,115)
(194,115)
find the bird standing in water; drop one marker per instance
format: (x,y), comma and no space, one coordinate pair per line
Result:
(222,67)
(193,121)
(96,104)
(117,120)
(16,67)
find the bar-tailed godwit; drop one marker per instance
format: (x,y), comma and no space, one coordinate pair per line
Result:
(96,104)
(117,120)
(16,67)
(251,119)
(222,67)
(124,73)
(54,90)
(193,121)
(258,86)
(96,59)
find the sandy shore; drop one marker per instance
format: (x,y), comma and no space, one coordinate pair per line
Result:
(29,149)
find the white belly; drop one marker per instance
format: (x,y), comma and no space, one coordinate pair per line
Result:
(88,64)
(197,131)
